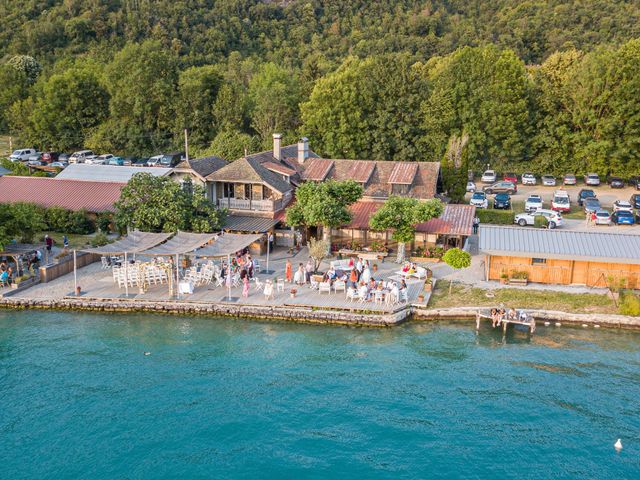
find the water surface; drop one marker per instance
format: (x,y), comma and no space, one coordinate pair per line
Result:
(240,399)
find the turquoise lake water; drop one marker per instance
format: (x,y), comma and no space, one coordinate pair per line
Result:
(224,398)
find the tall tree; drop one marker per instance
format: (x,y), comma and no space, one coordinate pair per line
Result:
(14,86)
(324,205)
(485,93)
(368,109)
(401,215)
(455,168)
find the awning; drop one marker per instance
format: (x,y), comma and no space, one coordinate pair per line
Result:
(240,223)
(135,242)
(182,243)
(227,244)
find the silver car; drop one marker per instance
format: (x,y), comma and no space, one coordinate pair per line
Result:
(603,217)
(528,179)
(592,179)
(548,180)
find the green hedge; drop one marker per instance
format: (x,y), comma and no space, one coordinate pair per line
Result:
(496,217)
(65,221)
(629,304)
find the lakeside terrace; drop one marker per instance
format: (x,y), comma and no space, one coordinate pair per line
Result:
(100,284)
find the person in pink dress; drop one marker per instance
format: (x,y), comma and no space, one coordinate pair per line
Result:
(245,286)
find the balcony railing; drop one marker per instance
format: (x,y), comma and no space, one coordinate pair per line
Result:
(252,205)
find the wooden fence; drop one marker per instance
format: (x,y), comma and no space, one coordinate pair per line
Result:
(51,272)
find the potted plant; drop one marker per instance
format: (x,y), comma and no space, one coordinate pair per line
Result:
(374,267)
(428,285)
(504,278)
(421,298)
(294,291)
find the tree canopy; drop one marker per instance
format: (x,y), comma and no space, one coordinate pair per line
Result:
(159,204)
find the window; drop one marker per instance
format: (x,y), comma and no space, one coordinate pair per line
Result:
(538,261)
(400,189)
(257,193)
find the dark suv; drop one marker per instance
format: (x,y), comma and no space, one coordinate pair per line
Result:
(635,200)
(170,159)
(584,194)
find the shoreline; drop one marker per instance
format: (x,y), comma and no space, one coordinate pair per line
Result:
(354,318)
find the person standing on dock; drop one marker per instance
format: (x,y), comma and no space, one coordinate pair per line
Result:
(476,224)
(288,271)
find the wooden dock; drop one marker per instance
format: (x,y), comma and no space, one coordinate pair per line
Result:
(529,323)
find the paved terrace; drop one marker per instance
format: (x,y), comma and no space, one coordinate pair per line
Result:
(97,283)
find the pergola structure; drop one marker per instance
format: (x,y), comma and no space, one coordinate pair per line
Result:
(206,245)
(15,251)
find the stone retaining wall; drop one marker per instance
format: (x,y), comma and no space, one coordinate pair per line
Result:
(618,321)
(228,310)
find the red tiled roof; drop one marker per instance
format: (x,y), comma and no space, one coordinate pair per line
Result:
(276,167)
(403,173)
(455,220)
(361,213)
(70,194)
(361,170)
(317,169)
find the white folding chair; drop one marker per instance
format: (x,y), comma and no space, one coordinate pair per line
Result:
(324,287)
(259,284)
(340,285)
(404,296)
(352,294)
(280,285)
(105,262)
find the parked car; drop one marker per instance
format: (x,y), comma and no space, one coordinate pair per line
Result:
(561,201)
(528,179)
(502,201)
(591,205)
(22,155)
(64,158)
(59,164)
(117,161)
(171,159)
(35,159)
(603,217)
(140,162)
(620,205)
(479,200)
(501,187)
(569,179)
(554,219)
(584,194)
(471,187)
(635,200)
(48,157)
(592,179)
(616,182)
(154,161)
(534,202)
(99,160)
(548,180)
(635,182)
(510,177)
(81,156)
(489,176)
(623,217)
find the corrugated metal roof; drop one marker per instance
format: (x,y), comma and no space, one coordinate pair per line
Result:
(107,173)
(403,173)
(560,244)
(361,212)
(361,170)
(241,223)
(317,169)
(69,194)
(455,220)
(279,168)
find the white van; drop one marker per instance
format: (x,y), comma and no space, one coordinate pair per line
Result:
(79,157)
(561,201)
(22,155)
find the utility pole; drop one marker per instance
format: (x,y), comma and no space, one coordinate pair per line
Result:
(186,144)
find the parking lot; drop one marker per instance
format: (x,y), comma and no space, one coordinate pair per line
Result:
(575,220)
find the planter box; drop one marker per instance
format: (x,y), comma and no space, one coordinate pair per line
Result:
(518,281)
(424,260)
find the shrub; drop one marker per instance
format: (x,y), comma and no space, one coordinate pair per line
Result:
(540,221)
(104,221)
(629,304)
(78,223)
(519,275)
(496,217)
(57,219)
(99,240)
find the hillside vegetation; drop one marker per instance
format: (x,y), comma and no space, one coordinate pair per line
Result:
(548,86)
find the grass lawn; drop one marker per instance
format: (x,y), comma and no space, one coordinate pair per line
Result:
(75,241)
(463,295)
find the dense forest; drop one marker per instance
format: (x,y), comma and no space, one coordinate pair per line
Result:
(548,86)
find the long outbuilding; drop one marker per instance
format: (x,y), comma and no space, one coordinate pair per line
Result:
(565,257)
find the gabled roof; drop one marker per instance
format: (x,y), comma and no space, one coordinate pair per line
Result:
(403,173)
(250,170)
(361,171)
(201,166)
(107,173)
(455,220)
(288,151)
(378,184)
(53,192)
(317,169)
(557,244)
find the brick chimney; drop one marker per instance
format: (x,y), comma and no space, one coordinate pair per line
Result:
(303,150)
(277,141)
